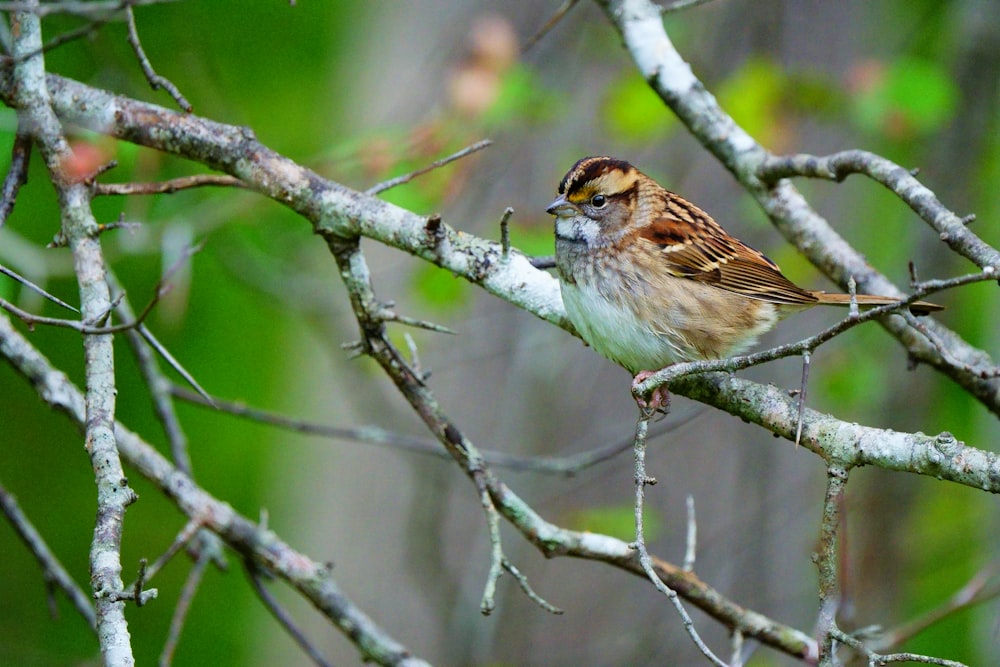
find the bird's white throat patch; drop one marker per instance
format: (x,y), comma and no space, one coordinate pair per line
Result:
(578,228)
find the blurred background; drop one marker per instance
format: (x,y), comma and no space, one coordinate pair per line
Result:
(363,91)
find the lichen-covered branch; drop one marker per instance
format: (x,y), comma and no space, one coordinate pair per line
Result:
(79,229)
(338,211)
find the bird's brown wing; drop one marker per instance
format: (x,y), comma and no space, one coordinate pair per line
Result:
(692,245)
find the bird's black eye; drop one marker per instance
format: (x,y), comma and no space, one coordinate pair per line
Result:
(598,201)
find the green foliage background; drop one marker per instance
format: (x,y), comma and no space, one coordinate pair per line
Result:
(296,76)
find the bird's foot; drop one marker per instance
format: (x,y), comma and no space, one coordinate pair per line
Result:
(658,401)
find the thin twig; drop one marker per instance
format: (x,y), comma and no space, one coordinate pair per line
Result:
(140,583)
(183,537)
(169,187)
(32,286)
(173,363)
(526,587)
(642,480)
(678,5)
(568,466)
(944,350)
(88,327)
(17,174)
(406,178)
(549,25)
(736,658)
(974,592)
(505,233)
(283,617)
(877,660)
(52,570)
(155,80)
(180,615)
(488,603)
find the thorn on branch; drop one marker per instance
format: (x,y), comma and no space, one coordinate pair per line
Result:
(118,224)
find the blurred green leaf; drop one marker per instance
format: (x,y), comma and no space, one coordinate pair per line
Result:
(633,112)
(753,95)
(905,98)
(533,240)
(617,521)
(439,289)
(522,98)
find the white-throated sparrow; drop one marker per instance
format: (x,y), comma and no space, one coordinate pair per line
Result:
(649,279)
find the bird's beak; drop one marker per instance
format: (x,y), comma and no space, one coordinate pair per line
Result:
(562,207)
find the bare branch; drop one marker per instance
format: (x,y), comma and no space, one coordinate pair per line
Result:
(826,562)
(88,8)
(314,580)
(17,174)
(282,616)
(169,187)
(406,178)
(155,80)
(568,466)
(558,16)
(32,286)
(184,601)
(36,117)
(642,480)
(950,226)
(52,570)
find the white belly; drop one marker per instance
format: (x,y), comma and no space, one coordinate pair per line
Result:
(615,332)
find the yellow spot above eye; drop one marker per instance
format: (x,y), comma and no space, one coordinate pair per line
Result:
(610,184)
(583,194)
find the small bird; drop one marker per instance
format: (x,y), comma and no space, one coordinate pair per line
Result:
(649,279)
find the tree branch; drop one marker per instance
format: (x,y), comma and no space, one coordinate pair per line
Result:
(35,115)
(259,545)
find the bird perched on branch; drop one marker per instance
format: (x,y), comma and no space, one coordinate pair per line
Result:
(649,279)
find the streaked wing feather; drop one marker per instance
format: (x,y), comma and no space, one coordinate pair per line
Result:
(694,246)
